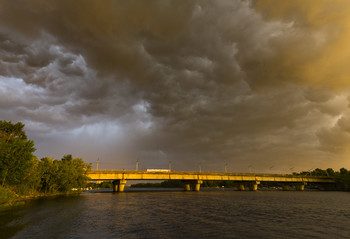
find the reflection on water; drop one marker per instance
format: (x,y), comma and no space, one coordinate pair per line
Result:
(178,214)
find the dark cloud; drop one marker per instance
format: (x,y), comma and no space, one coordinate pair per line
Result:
(187,81)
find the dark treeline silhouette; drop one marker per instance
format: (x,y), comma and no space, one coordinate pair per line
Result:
(342,177)
(164,184)
(21,173)
(104,184)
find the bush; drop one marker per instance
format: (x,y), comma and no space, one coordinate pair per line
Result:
(6,195)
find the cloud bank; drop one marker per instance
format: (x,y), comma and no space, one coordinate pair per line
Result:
(240,83)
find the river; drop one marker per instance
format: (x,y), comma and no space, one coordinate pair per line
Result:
(178,214)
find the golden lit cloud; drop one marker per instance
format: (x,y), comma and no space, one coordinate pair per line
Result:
(316,49)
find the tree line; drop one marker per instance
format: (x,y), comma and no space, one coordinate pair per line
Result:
(23,173)
(341,177)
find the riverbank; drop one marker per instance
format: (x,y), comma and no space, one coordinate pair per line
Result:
(9,198)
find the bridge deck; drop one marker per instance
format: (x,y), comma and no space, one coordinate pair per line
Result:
(144,175)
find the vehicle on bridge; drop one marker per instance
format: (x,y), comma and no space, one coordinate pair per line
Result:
(158,170)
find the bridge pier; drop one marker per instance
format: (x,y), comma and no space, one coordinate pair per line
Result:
(254,186)
(119,185)
(300,187)
(196,185)
(241,187)
(286,187)
(115,186)
(187,187)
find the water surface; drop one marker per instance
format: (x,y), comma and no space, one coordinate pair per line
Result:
(178,214)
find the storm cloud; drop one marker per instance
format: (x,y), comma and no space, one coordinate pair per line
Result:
(240,83)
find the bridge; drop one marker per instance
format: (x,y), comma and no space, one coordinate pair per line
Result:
(195,179)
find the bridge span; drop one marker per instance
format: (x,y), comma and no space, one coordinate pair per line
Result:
(196,178)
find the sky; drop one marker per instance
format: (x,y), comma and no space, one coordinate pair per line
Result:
(259,86)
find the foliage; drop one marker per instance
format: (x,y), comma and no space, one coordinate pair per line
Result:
(218,183)
(62,175)
(31,182)
(341,177)
(100,185)
(146,185)
(21,171)
(164,184)
(171,184)
(7,195)
(16,153)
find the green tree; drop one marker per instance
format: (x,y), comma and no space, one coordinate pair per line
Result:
(67,157)
(32,182)
(330,172)
(16,153)
(343,171)
(48,169)
(72,173)
(319,172)
(62,175)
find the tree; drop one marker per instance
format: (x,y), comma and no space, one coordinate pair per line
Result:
(31,183)
(319,172)
(48,169)
(343,171)
(67,157)
(330,172)
(72,173)
(62,175)
(16,153)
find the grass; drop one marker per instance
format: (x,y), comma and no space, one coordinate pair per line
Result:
(7,197)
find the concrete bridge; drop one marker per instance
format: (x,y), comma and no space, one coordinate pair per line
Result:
(196,178)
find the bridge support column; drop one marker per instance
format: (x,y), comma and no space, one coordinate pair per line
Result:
(254,186)
(286,187)
(119,185)
(300,187)
(197,185)
(187,187)
(115,186)
(241,187)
